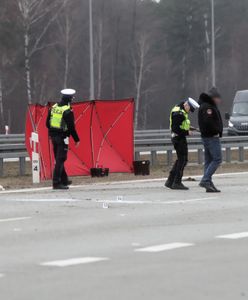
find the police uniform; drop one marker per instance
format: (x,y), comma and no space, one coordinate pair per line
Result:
(180,126)
(61,125)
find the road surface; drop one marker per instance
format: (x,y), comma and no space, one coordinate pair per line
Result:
(150,243)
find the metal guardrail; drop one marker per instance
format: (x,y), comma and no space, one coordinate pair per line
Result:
(153,146)
(147,141)
(13,146)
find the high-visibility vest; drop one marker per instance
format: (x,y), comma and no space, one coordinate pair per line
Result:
(56,120)
(186,123)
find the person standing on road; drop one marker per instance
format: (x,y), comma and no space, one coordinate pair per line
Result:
(211,127)
(180,128)
(61,125)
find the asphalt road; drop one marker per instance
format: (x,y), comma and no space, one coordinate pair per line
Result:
(151,243)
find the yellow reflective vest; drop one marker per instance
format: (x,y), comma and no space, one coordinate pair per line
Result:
(186,123)
(56,119)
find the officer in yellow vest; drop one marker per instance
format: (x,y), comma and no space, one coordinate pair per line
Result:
(61,125)
(180,128)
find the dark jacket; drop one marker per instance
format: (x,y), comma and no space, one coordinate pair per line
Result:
(209,117)
(68,117)
(177,120)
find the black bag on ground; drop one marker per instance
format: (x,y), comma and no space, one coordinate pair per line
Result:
(141,167)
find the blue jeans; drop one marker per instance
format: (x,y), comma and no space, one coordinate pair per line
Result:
(213,157)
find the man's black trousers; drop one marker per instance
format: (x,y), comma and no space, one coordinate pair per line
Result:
(60,150)
(181,147)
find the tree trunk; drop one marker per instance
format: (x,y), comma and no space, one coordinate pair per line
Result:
(67,46)
(100,42)
(1,103)
(139,85)
(27,67)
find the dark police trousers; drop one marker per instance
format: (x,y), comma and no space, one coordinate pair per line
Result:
(60,150)
(181,147)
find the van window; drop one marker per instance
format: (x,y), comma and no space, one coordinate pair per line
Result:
(241,96)
(240,109)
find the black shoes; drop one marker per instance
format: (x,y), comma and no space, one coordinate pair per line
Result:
(175,186)
(179,186)
(69,182)
(168,184)
(60,187)
(209,186)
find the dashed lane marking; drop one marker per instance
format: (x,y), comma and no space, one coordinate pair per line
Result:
(45,200)
(164,247)
(14,219)
(73,261)
(234,236)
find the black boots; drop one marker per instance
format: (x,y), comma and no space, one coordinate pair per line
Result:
(179,186)
(168,184)
(175,186)
(60,186)
(210,187)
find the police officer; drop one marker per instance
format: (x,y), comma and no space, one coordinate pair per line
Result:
(61,125)
(211,127)
(180,128)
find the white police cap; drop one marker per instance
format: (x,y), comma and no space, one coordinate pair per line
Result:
(193,103)
(68,92)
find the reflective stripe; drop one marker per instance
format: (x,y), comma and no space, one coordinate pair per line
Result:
(56,120)
(186,123)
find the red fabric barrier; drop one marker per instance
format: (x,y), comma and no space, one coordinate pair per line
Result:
(106,136)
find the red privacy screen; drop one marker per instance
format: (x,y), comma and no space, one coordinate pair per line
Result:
(106,136)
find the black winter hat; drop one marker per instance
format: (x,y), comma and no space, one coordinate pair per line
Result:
(213,93)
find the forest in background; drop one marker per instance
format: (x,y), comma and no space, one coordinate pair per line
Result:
(157,52)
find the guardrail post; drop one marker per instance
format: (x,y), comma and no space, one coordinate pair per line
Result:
(169,157)
(22,165)
(228,155)
(1,167)
(137,156)
(153,158)
(200,156)
(241,154)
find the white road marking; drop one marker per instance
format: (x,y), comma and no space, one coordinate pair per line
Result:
(44,200)
(155,202)
(233,236)
(14,219)
(73,261)
(164,247)
(17,229)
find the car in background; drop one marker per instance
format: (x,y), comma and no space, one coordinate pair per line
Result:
(238,119)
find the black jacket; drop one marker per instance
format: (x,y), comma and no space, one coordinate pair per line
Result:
(209,117)
(177,120)
(68,117)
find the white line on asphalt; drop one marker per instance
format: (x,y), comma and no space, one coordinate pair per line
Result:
(155,202)
(73,261)
(30,190)
(233,236)
(44,200)
(14,219)
(164,247)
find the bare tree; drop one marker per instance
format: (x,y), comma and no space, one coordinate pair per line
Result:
(142,65)
(32,13)
(68,35)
